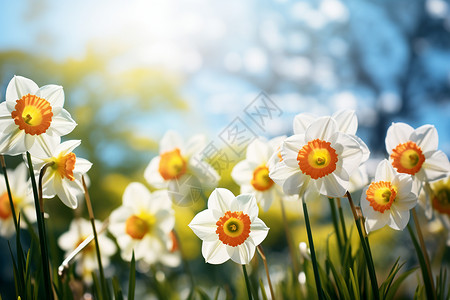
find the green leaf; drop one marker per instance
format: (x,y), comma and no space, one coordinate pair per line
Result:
(216,296)
(116,289)
(202,294)
(354,284)
(132,280)
(395,286)
(340,282)
(263,291)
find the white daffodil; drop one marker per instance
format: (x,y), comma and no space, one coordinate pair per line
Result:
(388,199)
(179,168)
(359,179)
(229,228)
(252,174)
(63,175)
(440,202)
(414,151)
(320,161)
(79,230)
(346,121)
(143,223)
(32,116)
(22,199)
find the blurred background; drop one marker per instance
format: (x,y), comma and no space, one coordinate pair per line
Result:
(131,70)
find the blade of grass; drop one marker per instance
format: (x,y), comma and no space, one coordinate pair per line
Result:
(334,218)
(132,280)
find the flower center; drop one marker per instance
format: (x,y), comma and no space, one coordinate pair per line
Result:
(381,195)
(233,228)
(64,164)
(317,159)
(172,165)
(441,201)
(5,208)
(138,226)
(407,158)
(261,180)
(33,114)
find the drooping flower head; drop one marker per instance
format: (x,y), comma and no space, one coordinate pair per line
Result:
(252,174)
(22,199)
(79,230)
(415,152)
(388,199)
(179,168)
(63,175)
(31,116)
(143,223)
(320,161)
(229,228)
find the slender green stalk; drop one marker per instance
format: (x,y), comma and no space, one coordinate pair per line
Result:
(366,248)
(247,283)
(291,247)
(427,277)
(97,247)
(8,189)
(266,267)
(41,230)
(313,253)
(342,219)
(335,223)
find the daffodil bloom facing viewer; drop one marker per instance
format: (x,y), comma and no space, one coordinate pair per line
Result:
(22,199)
(320,161)
(64,171)
(252,174)
(388,199)
(79,230)
(31,116)
(229,228)
(143,223)
(180,169)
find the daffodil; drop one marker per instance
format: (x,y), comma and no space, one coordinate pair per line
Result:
(143,223)
(64,171)
(388,199)
(32,116)
(440,202)
(22,199)
(79,230)
(252,174)
(180,169)
(320,161)
(415,152)
(229,228)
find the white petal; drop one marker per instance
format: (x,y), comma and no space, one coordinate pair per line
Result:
(13,143)
(290,148)
(53,93)
(62,123)
(322,129)
(67,146)
(242,172)
(186,190)
(302,121)
(17,88)
(204,172)
(219,202)
(214,252)
(170,141)
(296,184)
(82,165)
(398,219)
(436,166)
(204,226)
(365,150)
(65,193)
(152,175)
(281,172)
(334,186)
(346,120)
(426,137)
(195,145)
(247,204)
(385,171)
(160,200)
(5,116)
(351,154)
(259,151)
(136,196)
(266,198)
(311,193)
(398,133)
(45,146)
(258,231)
(241,254)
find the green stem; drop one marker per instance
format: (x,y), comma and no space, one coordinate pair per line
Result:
(97,246)
(41,230)
(427,279)
(335,224)
(8,189)
(313,252)
(366,249)
(247,283)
